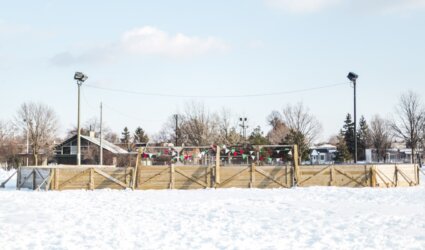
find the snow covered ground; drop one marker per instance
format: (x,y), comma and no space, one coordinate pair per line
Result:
(299,218)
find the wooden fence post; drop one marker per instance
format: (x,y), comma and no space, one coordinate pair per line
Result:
(217,167)
(172,174)
(34,179)
(373,176)
(135,177)
(332,176)
(18,180)
(56,179)
(396,175)
(417,178)
(252,183)
(208,177)
(296,166)
(91,185)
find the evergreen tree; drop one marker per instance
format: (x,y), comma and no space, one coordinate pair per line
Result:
(257,137)
(363,139)
(298,138)
(140,135)
(348,133)
(125,138)
(343,154)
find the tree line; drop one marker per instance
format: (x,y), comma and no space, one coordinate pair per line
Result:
(197,126)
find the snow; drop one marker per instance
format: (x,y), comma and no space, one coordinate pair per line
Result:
(299,218)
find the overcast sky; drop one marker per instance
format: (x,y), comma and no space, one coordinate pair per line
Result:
(210,48)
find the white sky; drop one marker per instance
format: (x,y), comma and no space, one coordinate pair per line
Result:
(210,48)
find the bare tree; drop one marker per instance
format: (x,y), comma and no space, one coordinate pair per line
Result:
(410,121)
(279,129)
(298,119)
(41,122)
(199,126)
(9,145)
(380,136)
(227,133)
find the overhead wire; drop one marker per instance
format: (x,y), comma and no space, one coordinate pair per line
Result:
(213,96)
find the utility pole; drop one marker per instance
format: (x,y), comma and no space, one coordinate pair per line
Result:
(176,117)
(100,137)
(244,127)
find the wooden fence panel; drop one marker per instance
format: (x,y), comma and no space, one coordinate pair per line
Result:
(187,177)
(272,177)
(234,177)
(314,176)
(154,177)
(351,176)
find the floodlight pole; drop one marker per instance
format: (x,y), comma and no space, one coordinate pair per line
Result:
(355,123)
(78,127)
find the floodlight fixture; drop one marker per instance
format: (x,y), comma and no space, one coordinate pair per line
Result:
(352,76)
(80,77)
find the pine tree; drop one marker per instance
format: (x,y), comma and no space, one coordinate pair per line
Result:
(343,154)
(363,139)
(298,138)
(125,138)
(140,135)
(348,133)
(257,137)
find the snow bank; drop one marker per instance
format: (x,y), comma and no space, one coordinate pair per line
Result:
(316,217)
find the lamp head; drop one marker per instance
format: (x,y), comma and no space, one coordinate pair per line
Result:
(80,76)
(352,76)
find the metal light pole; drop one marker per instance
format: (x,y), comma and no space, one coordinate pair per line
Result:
(80,77)
(244,127)
(353,77)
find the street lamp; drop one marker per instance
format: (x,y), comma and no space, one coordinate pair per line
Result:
(80,77)
(353,77)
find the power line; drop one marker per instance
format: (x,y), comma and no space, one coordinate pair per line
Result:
(214,96)
(115,111)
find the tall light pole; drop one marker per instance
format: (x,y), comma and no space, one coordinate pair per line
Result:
(80,77)
(244,127)
(353,78)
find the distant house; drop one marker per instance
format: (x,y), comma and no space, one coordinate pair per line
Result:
(66,152)
(398,153)
(323,154)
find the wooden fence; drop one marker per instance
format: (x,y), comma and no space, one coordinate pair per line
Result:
(253,175)
(200,177)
